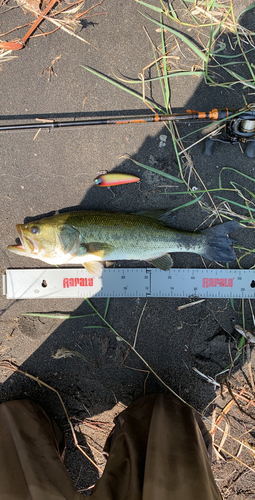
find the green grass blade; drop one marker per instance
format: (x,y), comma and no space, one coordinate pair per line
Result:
(202,191)
(106,306)
(182,37)
(235,203)
(156,171)
(95,326)
(229,56)
(187,204)
(166,92)
(122,87)
(244,11)
(211,39)
(239,78)
(173,13)
(166,95)
(231,63)
(175,141)
(160,77)
(237,172)
(152,7)
(247,221)
(205,4)
(235,184)
(158,70)
(188,11)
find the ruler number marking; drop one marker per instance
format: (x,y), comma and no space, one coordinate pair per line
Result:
(219,283)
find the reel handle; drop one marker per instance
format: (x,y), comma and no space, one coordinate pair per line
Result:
(250,150)
(208,149)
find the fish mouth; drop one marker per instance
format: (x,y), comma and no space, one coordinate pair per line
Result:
(26,245)
(20,237)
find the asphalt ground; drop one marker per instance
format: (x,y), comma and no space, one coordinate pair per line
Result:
(55,171)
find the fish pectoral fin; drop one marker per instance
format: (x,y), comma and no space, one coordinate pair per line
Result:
(165,262)
(94,267)
(101,250)
(108,263)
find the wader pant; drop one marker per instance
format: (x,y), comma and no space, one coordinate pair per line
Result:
(159,449)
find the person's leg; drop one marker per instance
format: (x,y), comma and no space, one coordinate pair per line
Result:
(31,444)
(159,449)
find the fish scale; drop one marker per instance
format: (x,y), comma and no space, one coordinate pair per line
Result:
(92,237)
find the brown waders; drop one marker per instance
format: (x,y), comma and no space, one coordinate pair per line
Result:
(159,449)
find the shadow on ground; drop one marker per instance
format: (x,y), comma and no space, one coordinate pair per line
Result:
(172,342)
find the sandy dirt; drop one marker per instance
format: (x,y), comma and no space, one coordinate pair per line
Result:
(95,372)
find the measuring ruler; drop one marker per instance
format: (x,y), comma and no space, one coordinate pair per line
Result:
(74,282)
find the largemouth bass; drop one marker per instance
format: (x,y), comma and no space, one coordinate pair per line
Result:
(91,237)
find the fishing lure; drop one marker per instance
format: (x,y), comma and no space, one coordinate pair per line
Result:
(114,179)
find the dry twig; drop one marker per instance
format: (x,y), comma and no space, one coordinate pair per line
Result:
(50,69)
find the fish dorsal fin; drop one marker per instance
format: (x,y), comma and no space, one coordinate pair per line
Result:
(94,267)
(165,262)
(99,249)
(166,217)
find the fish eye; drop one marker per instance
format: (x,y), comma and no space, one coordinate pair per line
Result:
(97,180)
(34,230)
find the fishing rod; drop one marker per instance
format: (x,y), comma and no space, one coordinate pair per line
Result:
(238,126)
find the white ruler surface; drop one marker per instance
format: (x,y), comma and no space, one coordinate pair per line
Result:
(74,282)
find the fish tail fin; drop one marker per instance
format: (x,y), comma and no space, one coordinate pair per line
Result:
(218,244)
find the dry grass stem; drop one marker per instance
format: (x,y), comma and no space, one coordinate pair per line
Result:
(190,304)
(33,7)
(50,69)
(64,352)
(248,447)
(235,458)
(245,333)
(138,324)
(224,412)
(224,437)
(248,356)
